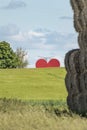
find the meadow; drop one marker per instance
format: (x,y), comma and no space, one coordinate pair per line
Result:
(35,99)
(33,84)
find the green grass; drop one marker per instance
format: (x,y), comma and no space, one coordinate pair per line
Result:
(33,84)
(17,115)
(43,101)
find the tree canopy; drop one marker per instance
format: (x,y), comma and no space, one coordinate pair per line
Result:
(8,58)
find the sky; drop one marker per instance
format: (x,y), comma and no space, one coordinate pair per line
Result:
(43,28)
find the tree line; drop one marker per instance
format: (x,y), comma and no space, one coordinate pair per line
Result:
(10,58)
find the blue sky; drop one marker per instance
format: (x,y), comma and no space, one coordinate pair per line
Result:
(44,28)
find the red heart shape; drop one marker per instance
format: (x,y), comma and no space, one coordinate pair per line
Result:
(54,63)
(42,63)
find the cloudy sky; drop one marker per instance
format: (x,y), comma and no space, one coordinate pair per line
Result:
(44,28)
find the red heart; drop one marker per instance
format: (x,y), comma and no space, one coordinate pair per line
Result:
(54,63)
(41,63)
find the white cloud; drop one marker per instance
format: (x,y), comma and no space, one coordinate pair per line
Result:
(14,4)
(35,34)
(9,30)
(65,18)
(72,45)
(20,37)
(39,39)
(40,42)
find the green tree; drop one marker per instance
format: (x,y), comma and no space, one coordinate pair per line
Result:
(21,54)
(8,58)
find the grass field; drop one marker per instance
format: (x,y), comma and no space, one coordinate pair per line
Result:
(34,84)
(42,104)
(17,115)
